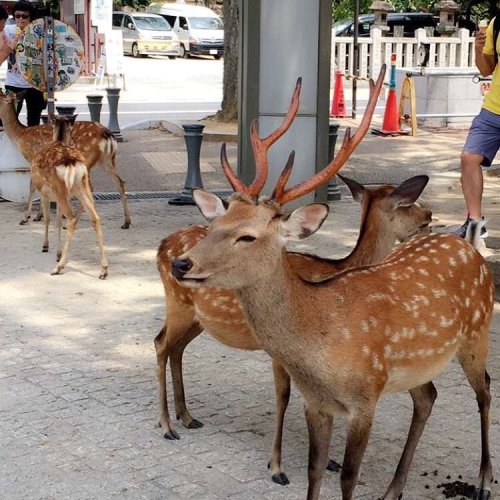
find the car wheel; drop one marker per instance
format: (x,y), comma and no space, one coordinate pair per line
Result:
(218,56)
(182,52)
(135,50)
(172,57)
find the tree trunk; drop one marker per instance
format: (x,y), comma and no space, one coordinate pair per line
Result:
(229,111)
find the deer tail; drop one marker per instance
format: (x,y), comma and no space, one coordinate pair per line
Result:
(71,173)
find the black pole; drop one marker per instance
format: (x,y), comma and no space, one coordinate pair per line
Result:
(113,95)
(94,102)
(333,189)
(193,135)
(356,58)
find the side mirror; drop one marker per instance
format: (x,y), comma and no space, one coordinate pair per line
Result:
(130,26)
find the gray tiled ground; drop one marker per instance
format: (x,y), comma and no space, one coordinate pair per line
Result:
(78,389)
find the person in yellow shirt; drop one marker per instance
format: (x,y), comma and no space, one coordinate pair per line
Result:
(483,140)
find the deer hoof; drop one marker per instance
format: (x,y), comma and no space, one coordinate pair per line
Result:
(45,248)
(55,271)
(481,494)
(38,218)
(171,435)
(24,221)
(333,466)
(58,257)
(280,478)
(104,273)
(126,225)
(194,424)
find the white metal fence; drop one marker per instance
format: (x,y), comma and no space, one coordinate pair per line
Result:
(444,52)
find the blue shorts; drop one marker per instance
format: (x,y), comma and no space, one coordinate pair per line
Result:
(484,136)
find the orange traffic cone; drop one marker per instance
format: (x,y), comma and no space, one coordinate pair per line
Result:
(338,103)
(390,125)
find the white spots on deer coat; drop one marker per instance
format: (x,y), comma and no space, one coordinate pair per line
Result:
(445,246)
(364,326)
(423,272)
(346,333)
(464,255)
(476,316)
(445,322)
(423,258)
(376,363)
(438,293)
(366,350)
(452,261)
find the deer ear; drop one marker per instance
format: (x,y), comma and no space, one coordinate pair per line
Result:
(408,191)
(210,206)
(356,189)
(303,222)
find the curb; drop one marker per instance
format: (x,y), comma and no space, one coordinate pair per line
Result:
(176,129)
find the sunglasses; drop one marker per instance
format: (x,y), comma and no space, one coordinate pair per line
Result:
(22,16)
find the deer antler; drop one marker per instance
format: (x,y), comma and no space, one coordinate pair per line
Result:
(282,195)
(260,148)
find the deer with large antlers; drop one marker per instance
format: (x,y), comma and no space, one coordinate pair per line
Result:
(349,339)
(94,141)
(388,213)
(58,173)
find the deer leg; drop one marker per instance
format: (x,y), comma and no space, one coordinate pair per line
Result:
(282,392)
(65,209)
(86,200)
(179,321)
(181,410)
(29,205)
(423,400)
(59,231)
(319,425)
(45,206)
(358,432)
(110,167)
(473,363)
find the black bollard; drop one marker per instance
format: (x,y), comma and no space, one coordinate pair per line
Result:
(94,102)
(193,135)
(66,110)
(333,189)
(113,95)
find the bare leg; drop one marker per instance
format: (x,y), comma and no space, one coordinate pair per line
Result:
(472,183)
(423,400)
(319,425)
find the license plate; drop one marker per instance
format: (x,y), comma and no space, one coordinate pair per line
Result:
(213,51)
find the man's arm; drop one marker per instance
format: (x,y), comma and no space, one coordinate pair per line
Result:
(485,63)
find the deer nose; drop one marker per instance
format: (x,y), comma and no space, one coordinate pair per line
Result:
(180,267)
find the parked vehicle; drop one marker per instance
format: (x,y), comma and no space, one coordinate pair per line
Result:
(411,21)
(200,29)
(146,34)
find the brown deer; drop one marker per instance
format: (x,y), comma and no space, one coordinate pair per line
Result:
(351,338)
(94,141)
(387,214)
(58,173)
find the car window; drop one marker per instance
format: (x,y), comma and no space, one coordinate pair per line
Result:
(205,23)
(152,23)
(183,24)
(117,19)
(170,19)
(127,20)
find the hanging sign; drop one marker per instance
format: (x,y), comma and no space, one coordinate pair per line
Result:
(67,60)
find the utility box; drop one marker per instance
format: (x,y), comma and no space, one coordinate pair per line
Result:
(14,172)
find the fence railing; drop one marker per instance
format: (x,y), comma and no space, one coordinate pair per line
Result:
(444,52)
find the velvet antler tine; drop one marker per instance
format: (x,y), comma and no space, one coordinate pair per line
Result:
(348,146)
(236,184)
(283,179)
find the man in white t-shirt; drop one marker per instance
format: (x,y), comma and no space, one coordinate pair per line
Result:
(15,81)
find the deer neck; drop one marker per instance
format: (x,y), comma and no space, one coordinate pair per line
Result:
(275,315)
(13,127)
(374,243)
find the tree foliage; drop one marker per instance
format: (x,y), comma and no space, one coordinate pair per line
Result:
(133,4)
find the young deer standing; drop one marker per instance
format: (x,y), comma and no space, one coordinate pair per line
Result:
(388,213)
(349,339)
(59,172)
(94,141)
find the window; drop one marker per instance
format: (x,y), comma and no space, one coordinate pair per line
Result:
(183,25)
(170,19)
(117,20)
(152,23)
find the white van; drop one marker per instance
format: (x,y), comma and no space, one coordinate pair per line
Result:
(146,34)
(200,29)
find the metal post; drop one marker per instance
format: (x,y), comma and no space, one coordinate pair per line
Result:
(193,135)
(333,189)
(113,95)
(66,110)
(49,62)
(94,102)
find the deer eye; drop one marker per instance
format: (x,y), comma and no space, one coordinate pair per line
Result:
(246,239)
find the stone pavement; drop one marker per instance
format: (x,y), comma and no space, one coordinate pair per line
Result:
(78,388)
